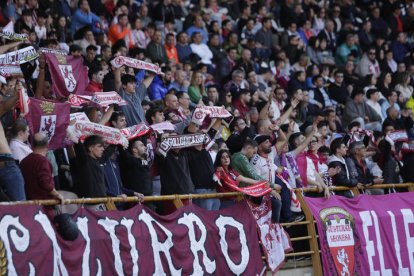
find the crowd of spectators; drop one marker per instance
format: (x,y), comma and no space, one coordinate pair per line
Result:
(316,88)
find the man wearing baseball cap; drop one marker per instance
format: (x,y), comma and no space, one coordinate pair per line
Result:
(264,165)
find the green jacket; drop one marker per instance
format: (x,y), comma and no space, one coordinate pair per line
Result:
(241,165)
(195,94)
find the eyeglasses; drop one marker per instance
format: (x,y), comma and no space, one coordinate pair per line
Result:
(372,53)
(314,141)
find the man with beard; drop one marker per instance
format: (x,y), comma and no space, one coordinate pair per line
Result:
(159,86)
(175,114)
(135,171)
(264,165)
(323,133)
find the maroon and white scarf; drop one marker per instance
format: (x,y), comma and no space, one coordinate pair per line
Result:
(183,141)
(104,99)
(202,112)
(135,63)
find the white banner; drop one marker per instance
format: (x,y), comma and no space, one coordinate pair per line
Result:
(19,57)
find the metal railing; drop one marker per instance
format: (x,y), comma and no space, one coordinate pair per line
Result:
(309,221)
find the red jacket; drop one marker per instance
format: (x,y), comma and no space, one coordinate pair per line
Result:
(94,87)
(37,173)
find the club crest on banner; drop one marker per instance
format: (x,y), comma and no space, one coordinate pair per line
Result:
(339,229)
(48,125)
(67,74)
(48,122)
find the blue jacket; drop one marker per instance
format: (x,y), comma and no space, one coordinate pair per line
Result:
(203,32)
(157,89)
(113,179)
(80,19)
(399,51)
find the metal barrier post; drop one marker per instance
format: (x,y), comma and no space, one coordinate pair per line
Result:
(313,242)
(355,191)
(110,205)
(177,202)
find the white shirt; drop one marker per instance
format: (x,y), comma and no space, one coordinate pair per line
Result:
(41,32)
(203,52)
(19,149)
(310,169)
(377,107)
(140,39)
(277,108)
(265,167)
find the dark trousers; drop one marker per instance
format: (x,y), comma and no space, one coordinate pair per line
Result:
(286,213)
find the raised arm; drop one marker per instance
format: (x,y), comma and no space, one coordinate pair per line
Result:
(264,113)
(286,115)
(107,115)
(11,101)
(117,78)
(7,47)
(282,140)
(125,155)
(303,146)
(148,80)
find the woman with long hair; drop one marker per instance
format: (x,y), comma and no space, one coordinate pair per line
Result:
(196,88)
(388,164)
(323,54)
(319,21)
(403,85)
(313,44)
(226,98)
(384,83)
(369,82)
(226,172)
(227,176)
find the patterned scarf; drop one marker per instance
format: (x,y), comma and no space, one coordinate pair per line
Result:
(284,160)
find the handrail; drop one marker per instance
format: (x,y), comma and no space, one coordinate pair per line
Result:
(98,200)
(314,251)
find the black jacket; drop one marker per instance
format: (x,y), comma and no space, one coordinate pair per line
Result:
(88,173)
(175,174)
(135,173)
(346,177)
(407,171)
(201,168)
(363,174)
(391,171)
(235,141)
(338,93)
